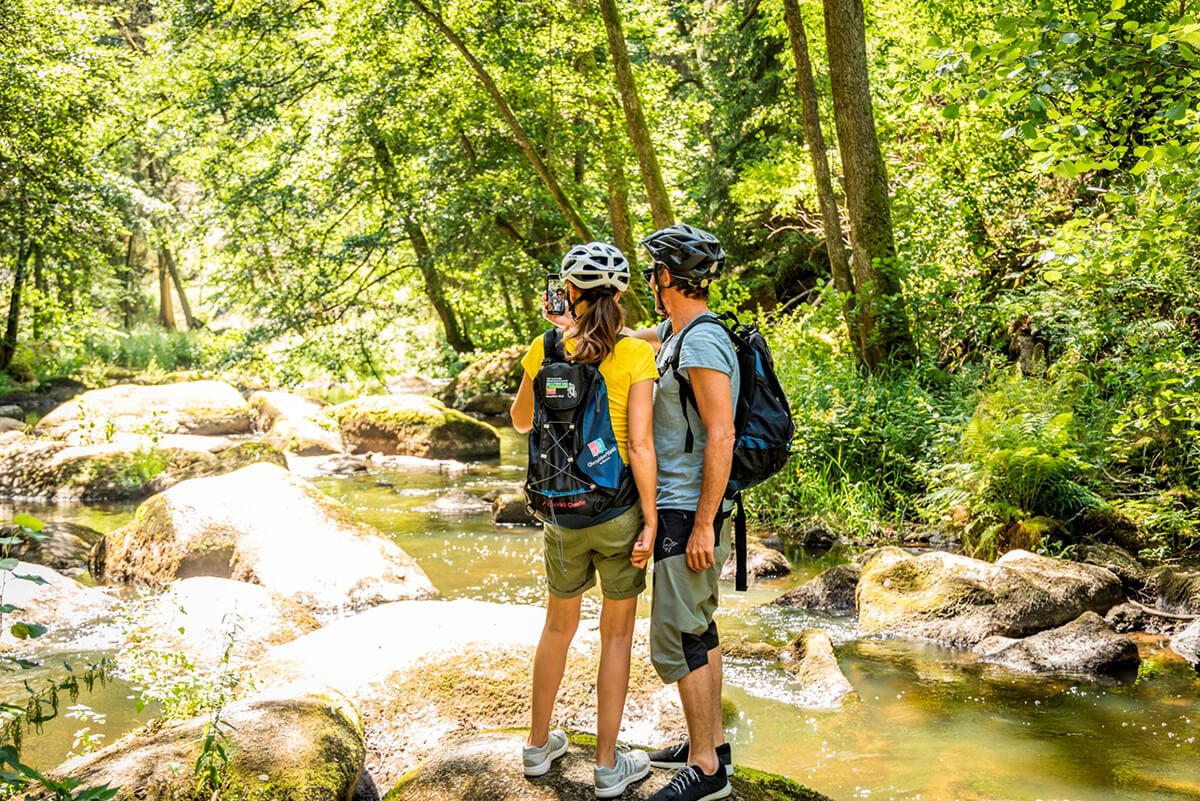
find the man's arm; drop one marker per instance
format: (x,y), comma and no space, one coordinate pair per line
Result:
(714,402)
(646,335)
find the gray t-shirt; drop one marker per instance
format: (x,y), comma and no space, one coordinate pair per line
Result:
(679,473)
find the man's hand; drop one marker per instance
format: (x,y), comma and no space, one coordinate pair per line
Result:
(700,547)
(644,545)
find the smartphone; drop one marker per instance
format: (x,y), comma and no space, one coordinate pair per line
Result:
(556,294)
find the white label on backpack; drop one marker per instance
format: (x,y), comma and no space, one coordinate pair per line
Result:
(559,387)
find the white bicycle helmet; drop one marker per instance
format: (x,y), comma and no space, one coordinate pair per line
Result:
(596,264)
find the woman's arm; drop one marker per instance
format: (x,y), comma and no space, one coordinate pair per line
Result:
(522,408)
(644,464)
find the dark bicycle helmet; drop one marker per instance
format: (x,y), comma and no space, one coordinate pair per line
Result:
(690,254)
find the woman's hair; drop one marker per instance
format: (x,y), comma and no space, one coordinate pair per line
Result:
(597,325)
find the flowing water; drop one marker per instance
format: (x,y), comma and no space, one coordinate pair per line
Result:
(929,723)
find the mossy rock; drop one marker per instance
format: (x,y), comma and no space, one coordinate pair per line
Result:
(414,425)
(831,590)
(496,372)
(290,743)
(487,767)
(1177,590)
(811,661)
(191,407)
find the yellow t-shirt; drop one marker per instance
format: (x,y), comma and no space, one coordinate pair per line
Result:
(632,361)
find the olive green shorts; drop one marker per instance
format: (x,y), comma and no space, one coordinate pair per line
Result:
(682,631)
(575,555)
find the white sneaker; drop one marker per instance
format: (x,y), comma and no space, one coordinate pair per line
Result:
(631,766)
(537,760)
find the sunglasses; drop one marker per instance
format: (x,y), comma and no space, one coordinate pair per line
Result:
(648,272)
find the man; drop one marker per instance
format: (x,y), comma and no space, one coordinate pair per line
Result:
(694,439)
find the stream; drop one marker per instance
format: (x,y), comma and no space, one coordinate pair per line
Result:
(931,723)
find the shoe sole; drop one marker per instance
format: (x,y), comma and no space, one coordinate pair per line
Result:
(677,765)
(543,768)
(722,793)
(617,789)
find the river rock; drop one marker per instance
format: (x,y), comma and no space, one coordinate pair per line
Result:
(1116,559)
(458,667)
(489,404)
(830,591)
(12,412)
(59,603)
(483,768)
(290,423)
(1177,590)
(1085,645)
(414,425)
(512,509)
(457,502)
(957,600)
(498,371)
(192,407)
(1187,644)
(263,525)
(1124,618)
(195,617)
(64,546)
(53,470)
(811,661)
(761,562)
(9,424)
(288,743)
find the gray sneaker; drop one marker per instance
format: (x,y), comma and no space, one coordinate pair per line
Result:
(537,760)
(631,766)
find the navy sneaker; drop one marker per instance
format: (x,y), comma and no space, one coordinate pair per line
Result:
(693,784)
(676,756)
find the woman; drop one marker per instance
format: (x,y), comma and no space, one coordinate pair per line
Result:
(595,275)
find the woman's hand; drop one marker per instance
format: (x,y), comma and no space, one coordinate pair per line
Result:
(560,321)
(644,546)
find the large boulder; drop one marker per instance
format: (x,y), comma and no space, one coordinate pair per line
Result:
(1116,559)
(192,407)
(499,371)
(198,617)
(761,562)
(1187,644)
(63,546)
(957,600)
(125,469)
(414,425)
(831,590)
(288,743)
(811,661)
(263,525)
(512,509)
(61,604)
(456,668)
(1176,590)
(291,423)
(483,768)
(1085,645)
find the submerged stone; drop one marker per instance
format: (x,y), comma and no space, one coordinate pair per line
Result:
(811,661)
(64,546)
(1085,645)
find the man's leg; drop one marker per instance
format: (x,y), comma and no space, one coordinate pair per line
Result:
(562,618)
(695,692)
(715,673)
(612,683)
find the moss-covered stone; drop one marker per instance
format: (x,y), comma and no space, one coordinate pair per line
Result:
(496,372)
(1177,590)
(1085,645)
(414,425)
(192,407)
(831,590)
(486,767)
(291,743)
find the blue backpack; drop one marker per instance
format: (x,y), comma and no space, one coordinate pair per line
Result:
(576,476)
(762,419)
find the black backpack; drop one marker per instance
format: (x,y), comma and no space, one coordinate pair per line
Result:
(576,477)
(762,419)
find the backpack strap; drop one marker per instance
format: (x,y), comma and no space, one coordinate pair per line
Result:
(552,347)
(685,387)
(739,543)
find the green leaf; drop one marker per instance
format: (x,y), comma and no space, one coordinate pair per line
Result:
(8,563)
(27,631)
(28,521)
(1177,111)
(1070,38)
(31,578)
(8,609)
(950,112)
(1052,276)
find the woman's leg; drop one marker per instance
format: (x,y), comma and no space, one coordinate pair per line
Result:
(562,618)
(616,641)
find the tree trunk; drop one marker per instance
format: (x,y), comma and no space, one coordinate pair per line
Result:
(839,263)
(510,313)
(622,228)
(639,132)
(883,321)
(166,309)
(43,291)
(8,347)
(128,298)
(455,338)
(539,166)
(173,269)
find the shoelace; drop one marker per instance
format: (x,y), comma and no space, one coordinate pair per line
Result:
(682,778)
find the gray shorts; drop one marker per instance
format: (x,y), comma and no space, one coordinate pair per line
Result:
(682,631)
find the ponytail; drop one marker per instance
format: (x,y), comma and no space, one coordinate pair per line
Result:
(597,326)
